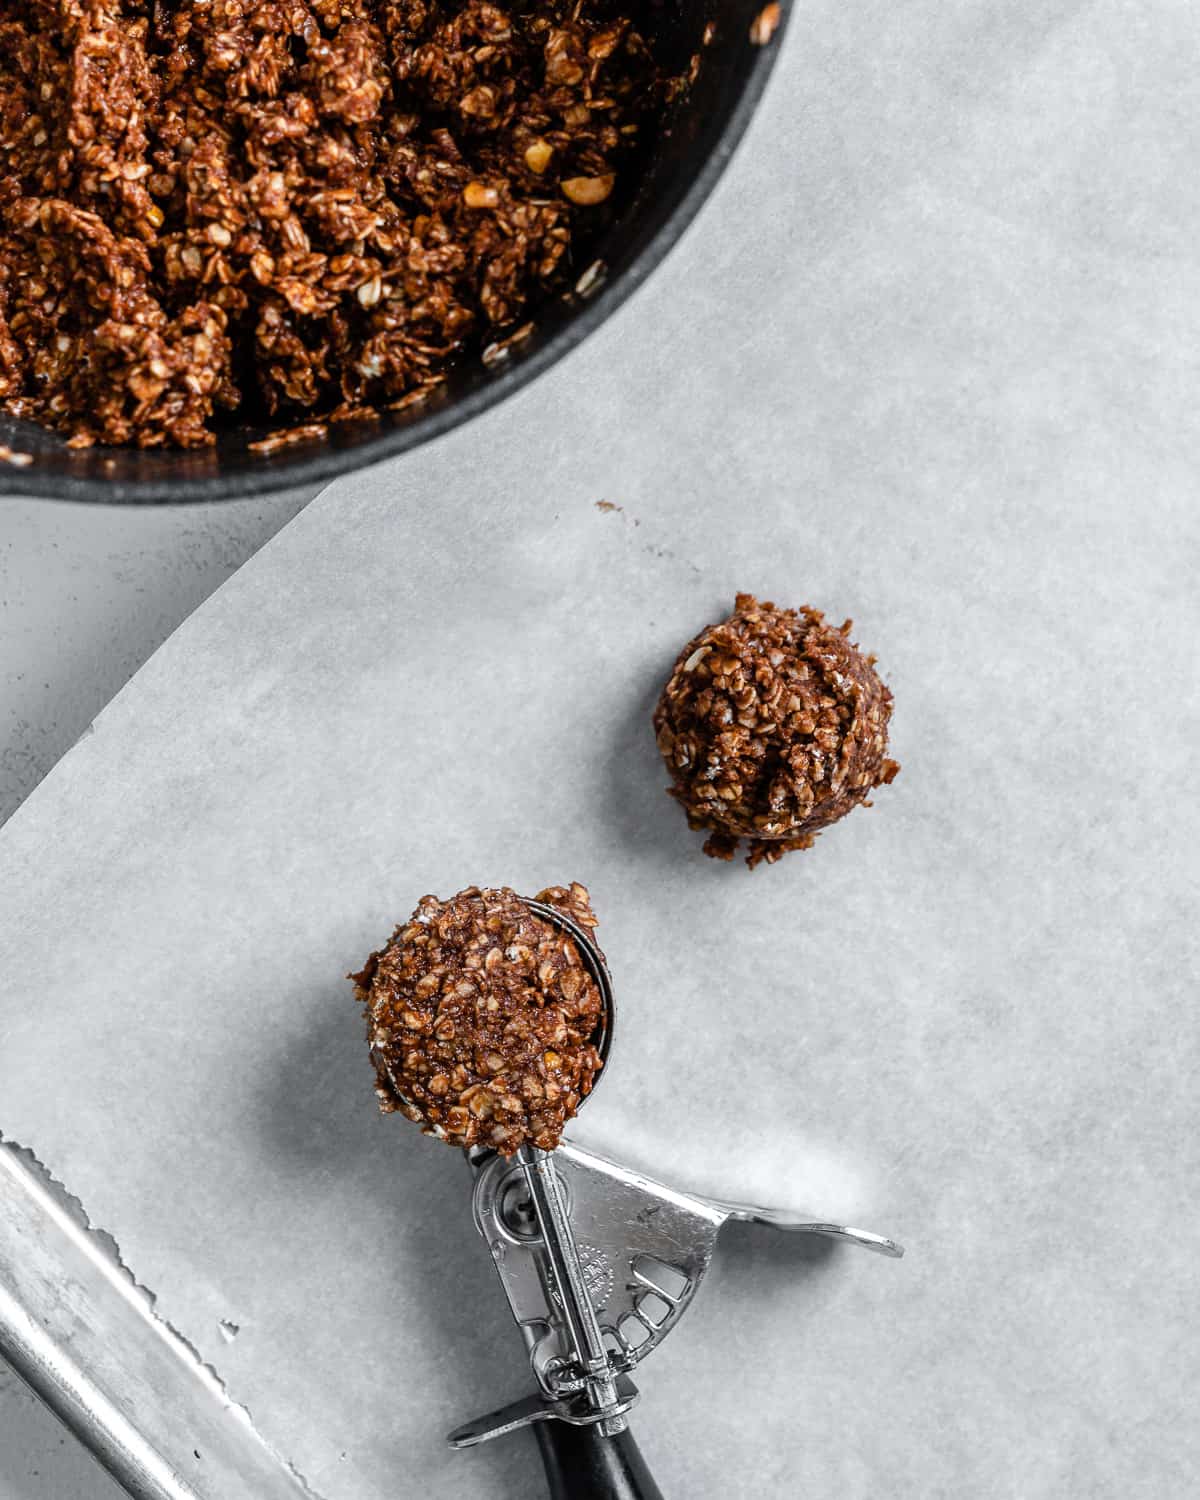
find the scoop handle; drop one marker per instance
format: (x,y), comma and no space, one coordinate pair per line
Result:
(582,1464)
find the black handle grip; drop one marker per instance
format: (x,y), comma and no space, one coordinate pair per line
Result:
(583,1465)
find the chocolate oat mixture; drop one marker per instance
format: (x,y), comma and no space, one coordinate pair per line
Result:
(482,1016)
(282,210)
(773,725)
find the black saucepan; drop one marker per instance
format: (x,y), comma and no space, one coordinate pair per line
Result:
(698,138)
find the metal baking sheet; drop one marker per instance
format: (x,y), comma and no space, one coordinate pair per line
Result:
(85,1337)
(927,361)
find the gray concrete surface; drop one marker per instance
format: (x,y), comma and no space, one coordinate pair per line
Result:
(39,1459)
(86,595)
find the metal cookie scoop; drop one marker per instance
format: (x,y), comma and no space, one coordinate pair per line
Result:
(598,1263)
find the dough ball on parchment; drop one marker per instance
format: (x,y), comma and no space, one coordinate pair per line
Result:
(773,725)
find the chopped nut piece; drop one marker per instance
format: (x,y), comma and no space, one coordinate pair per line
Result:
(481,102)
(588,191)
(471,1005)
(478,195)
(538,155)
(766,24)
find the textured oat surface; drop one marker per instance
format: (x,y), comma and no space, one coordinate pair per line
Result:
(281,209)
(773,725)
(482,1018)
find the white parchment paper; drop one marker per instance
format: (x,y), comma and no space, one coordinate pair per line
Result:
(928,360)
